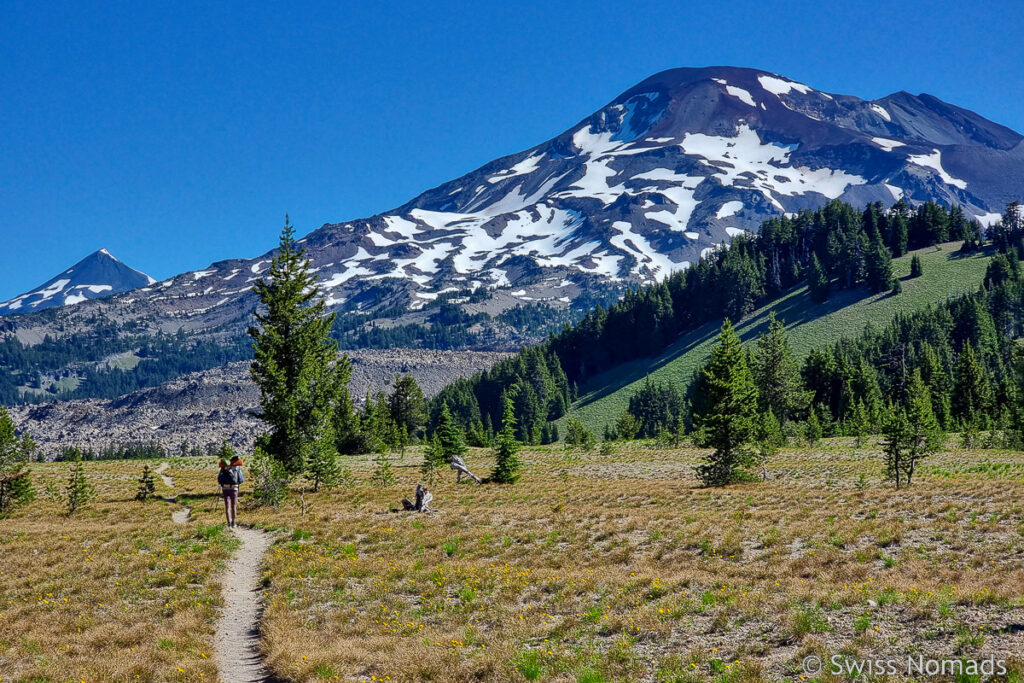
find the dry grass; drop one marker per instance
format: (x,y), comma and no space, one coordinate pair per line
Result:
(616,567)
(116,592)
(596,567)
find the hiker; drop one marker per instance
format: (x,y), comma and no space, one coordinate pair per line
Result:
(229,478)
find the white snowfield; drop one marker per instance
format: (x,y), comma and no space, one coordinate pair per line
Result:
(745,161)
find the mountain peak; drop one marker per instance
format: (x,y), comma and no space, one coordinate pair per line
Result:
(665,173)
(97,275)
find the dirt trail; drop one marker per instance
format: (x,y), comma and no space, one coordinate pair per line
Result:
(183,515)
(168,481)
(236,644)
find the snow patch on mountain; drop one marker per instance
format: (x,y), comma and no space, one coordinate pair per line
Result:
(779,86)
(887,144)
(729,209)
(934,162)
(881,111)
(744,160)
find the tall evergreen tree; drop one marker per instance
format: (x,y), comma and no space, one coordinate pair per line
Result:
(408,409)
(347,425)
(817,281)
(449,438)
(728,423)
(507,464)
(15,452)
(899,231)
(294,359)
(972,388)
(878,267)
(911,433)
(777,374)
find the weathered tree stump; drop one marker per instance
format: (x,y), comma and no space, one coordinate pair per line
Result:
(459,465)
(423,498)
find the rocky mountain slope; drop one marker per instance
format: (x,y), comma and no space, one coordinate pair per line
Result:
(667,170)
(97,275)
(217,404)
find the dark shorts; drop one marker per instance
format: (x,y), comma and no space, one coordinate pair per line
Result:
(229,494)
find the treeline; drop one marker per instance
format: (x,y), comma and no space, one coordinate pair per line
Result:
(963,354)
(834,247)
(127,451)
(163,357)
(534,382)
(963,350)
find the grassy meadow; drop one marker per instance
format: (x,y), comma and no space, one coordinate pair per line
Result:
(946,272)
(594,567)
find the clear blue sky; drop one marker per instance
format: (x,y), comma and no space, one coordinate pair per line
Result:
(179,133)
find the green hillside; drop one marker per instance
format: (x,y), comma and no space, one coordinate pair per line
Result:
(946,272)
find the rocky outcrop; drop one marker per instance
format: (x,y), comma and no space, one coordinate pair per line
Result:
(213,405)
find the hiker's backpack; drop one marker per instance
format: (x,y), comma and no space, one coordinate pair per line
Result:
(238,471)
(228,477)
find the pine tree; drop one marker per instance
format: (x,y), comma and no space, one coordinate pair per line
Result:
(383,474)
(925,434)
(578,436)
(728,422)
(295,361)
(407,408)
(269,478)
(507,464)
(380,433)
(878,267)
(915,266)
(812,428)
(626,426)
(347,425)
(78,491)
(899,236)
(450,435)
(817,281)
(15,452)
(911,433)
(433,459)
(897,287)
(323,468)
(894,445)
(147,485)
(860,423)
(777,374)
(972,389)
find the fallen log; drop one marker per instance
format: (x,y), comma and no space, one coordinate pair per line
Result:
(423,498)
(459,465)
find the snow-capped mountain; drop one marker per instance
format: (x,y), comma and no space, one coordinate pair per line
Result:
(669,169)
(97,275)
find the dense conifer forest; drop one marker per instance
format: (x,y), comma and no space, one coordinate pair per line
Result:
(963,349)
